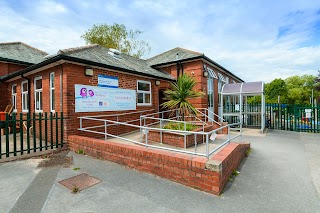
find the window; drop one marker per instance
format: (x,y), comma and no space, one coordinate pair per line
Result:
(38,94)
(221,82)
(227,80)
(52,95)
(144,93)
(14,97)
(24,96)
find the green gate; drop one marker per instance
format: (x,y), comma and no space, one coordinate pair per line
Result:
(293,117)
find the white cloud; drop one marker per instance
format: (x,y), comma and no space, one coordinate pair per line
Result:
(50,7)
(255,40)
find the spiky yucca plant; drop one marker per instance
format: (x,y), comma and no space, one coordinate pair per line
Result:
(178,96)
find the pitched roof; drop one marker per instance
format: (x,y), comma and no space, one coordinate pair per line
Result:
(99,54)
(21,52)
(172,55)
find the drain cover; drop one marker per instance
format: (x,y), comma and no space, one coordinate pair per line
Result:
(81,181)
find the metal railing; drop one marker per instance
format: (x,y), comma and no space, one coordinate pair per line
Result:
(207,117)
(32,132)
(146,127)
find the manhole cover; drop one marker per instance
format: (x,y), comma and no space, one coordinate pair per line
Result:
(81,182)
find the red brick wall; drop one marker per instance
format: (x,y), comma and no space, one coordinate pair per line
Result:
(5,95)
(74,74)
(6,68)
(187,169)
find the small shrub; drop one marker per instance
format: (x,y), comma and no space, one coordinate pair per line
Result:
(180,126)
(77,168)
(75,190)
(80,151)
(248,151)
(235,173)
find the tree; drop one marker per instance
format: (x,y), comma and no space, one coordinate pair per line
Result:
(117,36)
(178,96)
(276,88)
(300,89)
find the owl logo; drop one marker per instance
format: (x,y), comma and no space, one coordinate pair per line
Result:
(91,93)
(83,92)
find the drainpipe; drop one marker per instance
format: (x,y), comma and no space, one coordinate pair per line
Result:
(61,88)
(181,67)
(29,94)
(178,70)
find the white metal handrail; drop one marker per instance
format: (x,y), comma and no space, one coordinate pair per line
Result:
(147,129)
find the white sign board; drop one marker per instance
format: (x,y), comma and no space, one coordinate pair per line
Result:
(107,81)
(308,114)
(95,99)
(237,107)
(308,110)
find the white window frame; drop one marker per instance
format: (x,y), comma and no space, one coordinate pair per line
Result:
(52,92)
(144,92)
(227,80)
(23,101)
(35,94)
(14,98)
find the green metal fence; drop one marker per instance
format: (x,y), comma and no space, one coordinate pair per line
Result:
(278,116)
(293,117)
(27,133)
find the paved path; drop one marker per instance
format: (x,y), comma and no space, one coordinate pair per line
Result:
(280,175)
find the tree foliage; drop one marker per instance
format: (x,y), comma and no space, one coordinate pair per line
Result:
(179,95)
(276,88)
(117,36)
(293,90)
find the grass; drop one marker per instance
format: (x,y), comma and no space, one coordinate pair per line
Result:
(180,126)
(77,168)
(80,151)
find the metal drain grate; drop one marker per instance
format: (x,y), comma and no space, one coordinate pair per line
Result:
(81,181)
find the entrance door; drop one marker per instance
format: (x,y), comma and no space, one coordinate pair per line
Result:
(161,101)
(210,97)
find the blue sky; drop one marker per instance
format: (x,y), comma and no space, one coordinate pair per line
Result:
(256,40)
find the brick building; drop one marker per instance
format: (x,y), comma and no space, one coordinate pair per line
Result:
(33,81)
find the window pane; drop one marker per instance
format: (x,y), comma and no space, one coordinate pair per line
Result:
(39,84)
(147,98)
(140,97)
(24,87)
(14,89)
(52,80)
(143,86)
(52,100)
(40,100)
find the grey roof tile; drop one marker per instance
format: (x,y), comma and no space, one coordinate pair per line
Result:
(20,51)
(100,54)
(172,55)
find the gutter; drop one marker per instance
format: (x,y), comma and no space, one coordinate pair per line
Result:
(78,60)
(16,61)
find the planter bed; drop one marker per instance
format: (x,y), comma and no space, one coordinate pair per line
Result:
(177,139)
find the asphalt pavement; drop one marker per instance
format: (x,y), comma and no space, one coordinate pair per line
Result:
(281,174)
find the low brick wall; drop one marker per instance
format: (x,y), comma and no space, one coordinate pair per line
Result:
(194,171)
(176,139)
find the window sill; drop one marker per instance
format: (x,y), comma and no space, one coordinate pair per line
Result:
(144,104)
